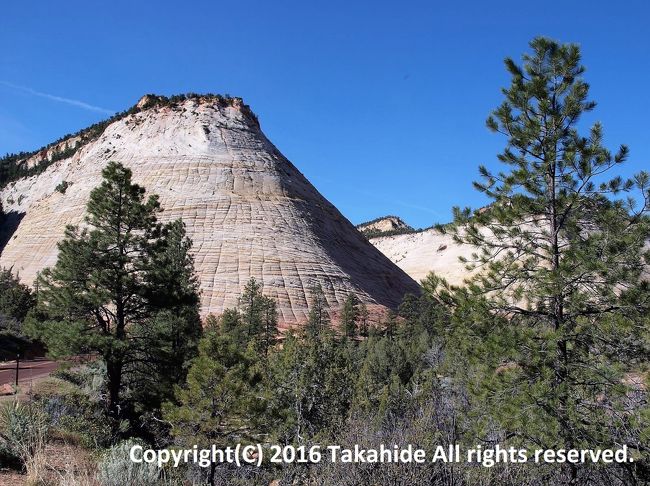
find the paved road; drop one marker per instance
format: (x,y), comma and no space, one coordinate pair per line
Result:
(29,370)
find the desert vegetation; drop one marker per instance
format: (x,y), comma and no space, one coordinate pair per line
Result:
(546,346)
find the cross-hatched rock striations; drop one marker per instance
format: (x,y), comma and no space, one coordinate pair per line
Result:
(248,210)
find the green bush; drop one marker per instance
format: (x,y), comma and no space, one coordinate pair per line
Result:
(23,431)
(63,186)
(116,468)
(89,378)
(72,401)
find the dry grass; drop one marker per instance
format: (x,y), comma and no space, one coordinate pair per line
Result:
(60,464)
(11,478)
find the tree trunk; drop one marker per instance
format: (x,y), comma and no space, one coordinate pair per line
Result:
(114,373)
(562,357)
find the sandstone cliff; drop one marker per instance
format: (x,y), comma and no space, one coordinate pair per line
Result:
(421,252)
(248,210)
(385,225)
(426,251)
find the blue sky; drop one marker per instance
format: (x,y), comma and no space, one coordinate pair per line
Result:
(382,105)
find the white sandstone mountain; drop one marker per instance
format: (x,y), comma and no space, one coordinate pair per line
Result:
(248,210)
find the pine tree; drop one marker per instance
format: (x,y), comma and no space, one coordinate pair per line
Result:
(269,332)
(409,309)
(309,391)
(230,322)
(171,281)
(164,346)
(350,315)
(383,359)
(251,306)
(318,320)
(390,324)
(259,316)
(364,315)
(111,280)
(296,388)
(16,299)
(220,399)
(557,313)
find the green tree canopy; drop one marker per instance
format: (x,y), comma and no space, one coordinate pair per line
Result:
(318,320)
(558,313)
(259,316)
(112,280)
(16,298)
(350,315)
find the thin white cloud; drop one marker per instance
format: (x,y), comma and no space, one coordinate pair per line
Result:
(60,99)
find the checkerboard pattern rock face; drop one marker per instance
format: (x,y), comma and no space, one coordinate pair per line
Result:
(248,210)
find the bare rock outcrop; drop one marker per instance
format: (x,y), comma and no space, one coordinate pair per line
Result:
(426,251)
(421,252)
(248,210)
(387,224)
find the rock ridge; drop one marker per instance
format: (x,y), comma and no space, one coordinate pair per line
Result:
(249,211)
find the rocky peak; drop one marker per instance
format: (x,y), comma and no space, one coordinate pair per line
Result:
(145,101)
(387,225)
(248,210)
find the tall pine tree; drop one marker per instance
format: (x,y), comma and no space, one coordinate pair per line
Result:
(318,320)
(259,316)
(163,347)
(269,332)
(250,304)
(112,281)
(558,314)
(350,315)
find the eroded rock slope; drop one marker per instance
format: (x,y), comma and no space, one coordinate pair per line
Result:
(426,251)
(248,210)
